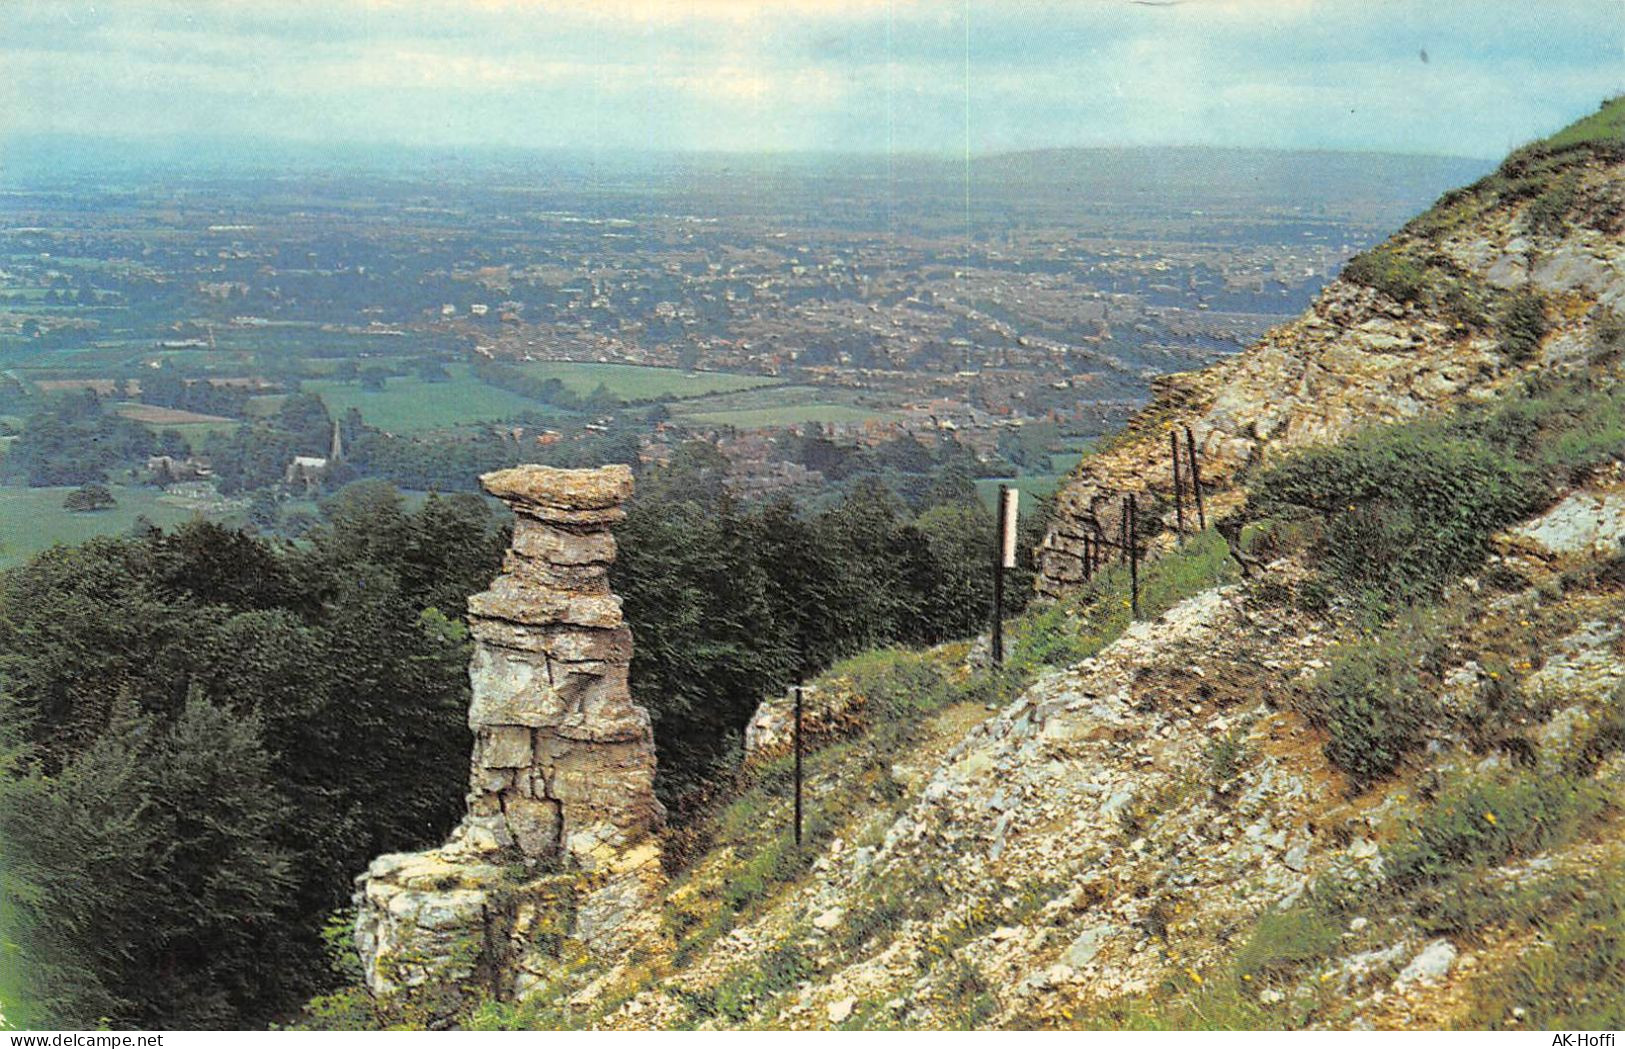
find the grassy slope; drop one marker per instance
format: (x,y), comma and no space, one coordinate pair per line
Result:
(1605,127)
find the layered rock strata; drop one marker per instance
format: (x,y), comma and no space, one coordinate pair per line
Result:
(1357,357)
(556,851)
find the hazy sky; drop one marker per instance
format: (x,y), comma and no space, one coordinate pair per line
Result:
(1437,76)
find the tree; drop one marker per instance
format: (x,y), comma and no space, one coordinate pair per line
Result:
(960,599)
(304,417)
(158,887)
(89,498)
(234,682)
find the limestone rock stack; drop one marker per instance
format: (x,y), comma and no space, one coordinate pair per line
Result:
(556,851)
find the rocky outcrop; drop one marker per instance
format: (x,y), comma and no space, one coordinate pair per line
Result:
(1353,360)
(1589,522)
(1357,357)
(556,852)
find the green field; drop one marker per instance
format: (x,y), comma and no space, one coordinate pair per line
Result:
(197,433)
(634,382)
(1029,485)
(32,519)
(786,415)
(407,405)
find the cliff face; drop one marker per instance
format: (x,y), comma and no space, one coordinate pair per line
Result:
(1415,330)
(556,852)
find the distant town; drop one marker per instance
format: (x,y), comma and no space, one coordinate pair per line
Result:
(566,313)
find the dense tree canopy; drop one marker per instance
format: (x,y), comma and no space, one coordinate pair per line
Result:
(208,736)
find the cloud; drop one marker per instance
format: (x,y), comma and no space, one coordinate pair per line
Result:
(814,74)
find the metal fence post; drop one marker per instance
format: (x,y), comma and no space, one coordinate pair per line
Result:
(1132,526)
(1179,488)
(798,765)
(1196,480)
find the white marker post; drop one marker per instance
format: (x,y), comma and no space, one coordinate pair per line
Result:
(1006,558)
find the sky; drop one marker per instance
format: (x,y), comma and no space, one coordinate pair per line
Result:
(1463,77)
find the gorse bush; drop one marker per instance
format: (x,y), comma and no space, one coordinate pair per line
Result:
(1522,322)
(1406,508)
(1372,703)
(1388,271)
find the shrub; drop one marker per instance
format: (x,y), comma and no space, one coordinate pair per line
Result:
(1480,821)
(1547,214)
(1388,271)
(1226,755)
(1522,320)
(1372,703)
(1406,508)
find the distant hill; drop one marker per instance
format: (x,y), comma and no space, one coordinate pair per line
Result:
(1393,184)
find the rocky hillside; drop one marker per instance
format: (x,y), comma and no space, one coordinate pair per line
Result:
(1505,277)
(1377,783)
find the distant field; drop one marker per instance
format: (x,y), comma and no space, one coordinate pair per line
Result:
(1063,462)
(1031,486)
(776,406)
(407,405)
(786,415)
(633,382)
(154,415)
(196,432)
(101,386)
(32,519)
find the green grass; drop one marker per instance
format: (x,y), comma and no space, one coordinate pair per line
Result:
(408,405)
(197,433)
(633,382)
(1285,940)
(1031,486)
(32,519)
(1482,821)
(1573,977)
(1607,125)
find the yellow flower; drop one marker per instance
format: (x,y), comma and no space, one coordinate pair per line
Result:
(1247,977)
(1490,816)
(1325,976)
(1196,977)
